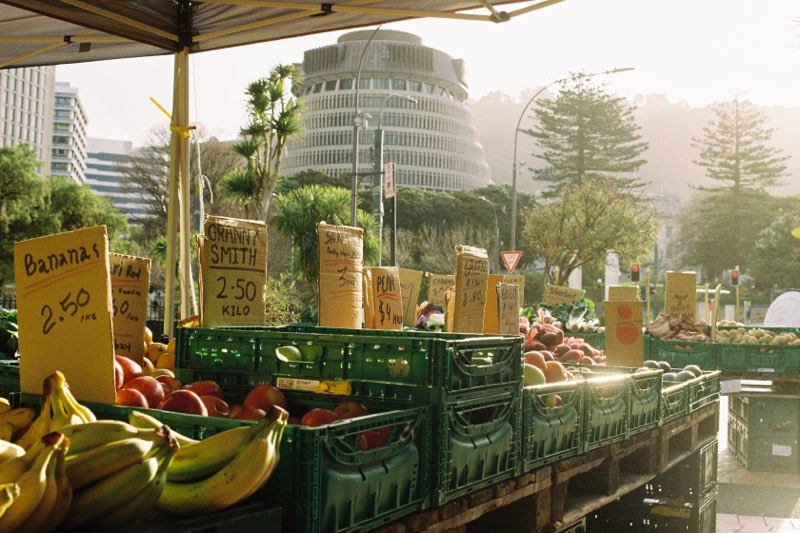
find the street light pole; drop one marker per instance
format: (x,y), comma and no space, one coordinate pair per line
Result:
(513,242)
(496,255)
(378,187)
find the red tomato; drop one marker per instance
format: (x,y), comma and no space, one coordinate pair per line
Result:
(318,417)
(351,410)
(373,438)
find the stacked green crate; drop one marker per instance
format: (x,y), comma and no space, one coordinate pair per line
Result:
(692,480)
(681,353)
(764,432)
(552,423)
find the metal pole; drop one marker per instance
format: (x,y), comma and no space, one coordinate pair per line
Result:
(377,188)
(496,256)
(356,124)
(513,242)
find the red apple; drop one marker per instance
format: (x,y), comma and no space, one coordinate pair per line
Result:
(536,359)
(130,368)
(150,387)
(131,397)
(351,410)
(216,406)
(119,375)
(169,383)
(318,417)
(264,397)
(184,401)
(235,411)
(205,388)
(252,414)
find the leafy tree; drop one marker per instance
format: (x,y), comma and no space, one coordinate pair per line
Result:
(431,248)
(776,257)
(309,177)
(718,231)
(734,149)
(584,223)
(586,134)
(274,116)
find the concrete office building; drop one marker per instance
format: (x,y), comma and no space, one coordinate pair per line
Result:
(106,162)
(69,135)
(26,110)
(433,142)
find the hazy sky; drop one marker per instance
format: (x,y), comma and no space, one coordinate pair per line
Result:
(697,51)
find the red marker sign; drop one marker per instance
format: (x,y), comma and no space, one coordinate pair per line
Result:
(511,259)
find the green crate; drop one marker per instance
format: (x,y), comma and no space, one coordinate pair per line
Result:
(681,353)
(703,390)
(644,406)
(412,365)
(758,359)
(248,517)
(606,407)
(767,414)
(674,401)
(670,516)
(551,432)
(575,527)
(764,452)
(9,377)
(691,480)
(476,444)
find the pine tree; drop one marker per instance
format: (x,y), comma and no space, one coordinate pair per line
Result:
(585,135)
(734,150)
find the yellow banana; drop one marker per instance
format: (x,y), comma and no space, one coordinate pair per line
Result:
(39,428)
(5,405)
(9,492)
(6,431)
(85,436)
(32,486)
(48,502)
(143,420)
(60,388)
(118,489)
(99,462)
(63,493)
(12,469)
(19,417)
(62,417)
(242,476)
(9,450)
(200,459)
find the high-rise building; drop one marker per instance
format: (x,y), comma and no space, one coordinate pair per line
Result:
(106,162)
(415,94)
(69,135)
(26,110)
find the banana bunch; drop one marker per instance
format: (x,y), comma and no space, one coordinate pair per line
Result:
(35,494)
(14,422)
(59,409)
(215,473)
(117,474)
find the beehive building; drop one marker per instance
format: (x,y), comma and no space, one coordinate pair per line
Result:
(416,94)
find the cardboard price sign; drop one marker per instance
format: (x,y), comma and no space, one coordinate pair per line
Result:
(680,293)
(508,308)
(341,260)
(438,284)
(130,282)
(556,294)
(64,313)
(472,272)
(233,272)
(410,282)
(490,318)
(624,337)
(623,293)
(385,308)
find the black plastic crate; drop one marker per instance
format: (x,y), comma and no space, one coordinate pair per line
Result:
(691,480)
(9,377)
(552,422)
(476,444)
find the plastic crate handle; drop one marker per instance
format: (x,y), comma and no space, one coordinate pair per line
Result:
(340,437)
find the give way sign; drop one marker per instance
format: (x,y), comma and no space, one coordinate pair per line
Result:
(511,259)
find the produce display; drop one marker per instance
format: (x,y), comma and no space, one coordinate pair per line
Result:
(677,327)
(9,333)
(756,336)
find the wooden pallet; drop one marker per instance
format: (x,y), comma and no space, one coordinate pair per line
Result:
(563,492)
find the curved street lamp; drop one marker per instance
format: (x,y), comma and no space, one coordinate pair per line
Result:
(495,260)
(578,76)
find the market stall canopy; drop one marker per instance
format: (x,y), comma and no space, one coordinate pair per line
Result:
(49,32)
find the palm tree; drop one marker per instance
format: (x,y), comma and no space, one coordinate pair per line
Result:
(273,117)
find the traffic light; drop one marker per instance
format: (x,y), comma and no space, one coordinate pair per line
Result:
(734,277)
(635,273)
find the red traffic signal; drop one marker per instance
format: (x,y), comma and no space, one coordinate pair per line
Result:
(734,277)
(635,273)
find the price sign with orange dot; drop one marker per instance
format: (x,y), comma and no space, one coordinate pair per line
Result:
(624,337)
